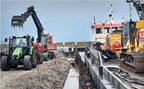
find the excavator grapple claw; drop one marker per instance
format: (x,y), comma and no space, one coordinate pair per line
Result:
(17,21)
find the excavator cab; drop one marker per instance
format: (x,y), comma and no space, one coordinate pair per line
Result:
(128,35)
(47,40)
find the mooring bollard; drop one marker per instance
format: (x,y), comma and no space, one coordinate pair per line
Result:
(101,71)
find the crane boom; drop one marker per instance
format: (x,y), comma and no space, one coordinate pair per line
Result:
(139,6)
(19,21)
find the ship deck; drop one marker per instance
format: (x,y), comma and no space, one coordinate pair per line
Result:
(116,76)
(125,75)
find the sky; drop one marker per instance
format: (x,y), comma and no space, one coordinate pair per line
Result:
(66,20)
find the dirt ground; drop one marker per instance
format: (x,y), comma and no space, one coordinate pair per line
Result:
(49,75)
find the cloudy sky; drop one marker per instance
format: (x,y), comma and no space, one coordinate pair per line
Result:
(66,20)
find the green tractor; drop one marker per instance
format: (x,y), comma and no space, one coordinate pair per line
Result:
(21,52)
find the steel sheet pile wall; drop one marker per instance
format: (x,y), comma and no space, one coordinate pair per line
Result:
(108,75)
(102,77)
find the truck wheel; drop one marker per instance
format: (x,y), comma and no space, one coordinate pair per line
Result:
(54,56)
(27,63)
(37,58)
(50,56)
(4,63)
(40,58)
(34,59)
(34,63)
(45,56)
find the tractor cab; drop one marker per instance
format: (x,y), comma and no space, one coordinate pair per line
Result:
(22,42)
(21,52)
(19,42)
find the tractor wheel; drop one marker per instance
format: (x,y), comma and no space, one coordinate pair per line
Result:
(4,63)
(27,62)
(45,56)
(40,58)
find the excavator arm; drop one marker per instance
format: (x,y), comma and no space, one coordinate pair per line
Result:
(19,21)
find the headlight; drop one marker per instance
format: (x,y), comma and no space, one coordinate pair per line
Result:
(17,57)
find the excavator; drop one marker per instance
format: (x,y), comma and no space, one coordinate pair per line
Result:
(133,40)
(44,46)
(113,40)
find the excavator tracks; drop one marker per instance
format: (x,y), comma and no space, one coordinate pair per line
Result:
(133,61)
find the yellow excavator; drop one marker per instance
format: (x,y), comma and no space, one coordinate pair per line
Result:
(114,41)
(133,40)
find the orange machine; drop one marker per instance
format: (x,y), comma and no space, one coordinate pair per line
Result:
(47,40)
(49,46)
